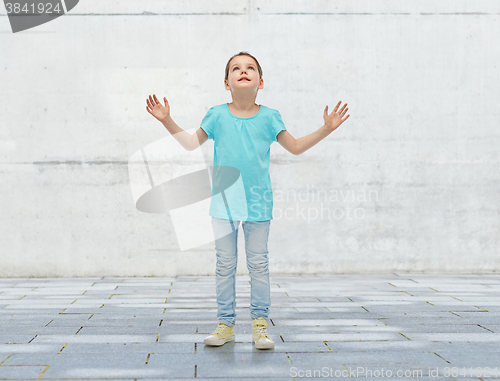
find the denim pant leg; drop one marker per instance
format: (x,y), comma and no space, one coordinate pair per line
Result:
(256,238)
(226,239)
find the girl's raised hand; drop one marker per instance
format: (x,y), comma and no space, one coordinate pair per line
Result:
(334,120)
(156,109)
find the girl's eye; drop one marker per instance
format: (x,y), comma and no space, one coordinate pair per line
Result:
(236,67)
(251,68)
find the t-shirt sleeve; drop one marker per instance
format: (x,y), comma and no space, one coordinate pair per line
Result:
(277,125)
(207,124)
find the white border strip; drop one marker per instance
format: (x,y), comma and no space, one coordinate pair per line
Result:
(64,6)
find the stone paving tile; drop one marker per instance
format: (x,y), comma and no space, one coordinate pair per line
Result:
(417,314)
(365,336)
(16,338)
(360,313)
(13,330)
(329,359)
(491,327)
(332,322)
(286,331)
(479,315)
(482,337)
(182,338)
(176,348)
(248,346)
(19,372)
(28,348)
(19,322)
(169,315)
(264,364)
(43,315)
(225,378)
(412,320)
(178,370)
(344,320)
(322,378)
(96,322)
(165,329)
(13,309)
(78,359)
(472,359)
(131,330)
(415,309)
(443,329)
(416,346)
(83,301)
(146,338)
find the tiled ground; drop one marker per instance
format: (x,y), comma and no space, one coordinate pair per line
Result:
(426,327)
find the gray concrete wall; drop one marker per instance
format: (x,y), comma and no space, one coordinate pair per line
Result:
(411,179)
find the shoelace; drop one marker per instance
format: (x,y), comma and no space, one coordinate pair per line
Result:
(261,332)
(220,329)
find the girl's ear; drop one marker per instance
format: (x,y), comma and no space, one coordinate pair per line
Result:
(261,83)
(226,84)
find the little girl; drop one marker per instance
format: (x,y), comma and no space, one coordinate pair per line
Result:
(241,186)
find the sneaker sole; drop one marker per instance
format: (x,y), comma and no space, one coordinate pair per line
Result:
(218,343)
(264,345)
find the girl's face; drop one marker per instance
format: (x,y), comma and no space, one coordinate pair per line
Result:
(243,74)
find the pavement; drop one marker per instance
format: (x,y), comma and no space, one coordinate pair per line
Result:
(400,326)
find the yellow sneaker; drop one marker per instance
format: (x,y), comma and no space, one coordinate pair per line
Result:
(222,334)
(260,336)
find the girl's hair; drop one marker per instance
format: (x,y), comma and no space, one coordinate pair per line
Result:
(243,54)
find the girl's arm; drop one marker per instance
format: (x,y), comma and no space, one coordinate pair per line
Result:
(162,113)
(185,139)
(298,146)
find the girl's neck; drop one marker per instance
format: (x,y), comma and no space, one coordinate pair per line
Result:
(243,113)
(244,104)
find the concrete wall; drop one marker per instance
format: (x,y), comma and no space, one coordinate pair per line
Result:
(412,177)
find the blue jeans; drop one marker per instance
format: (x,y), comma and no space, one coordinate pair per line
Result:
(226,238)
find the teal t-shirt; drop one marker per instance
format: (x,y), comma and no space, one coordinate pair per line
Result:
(241,184)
